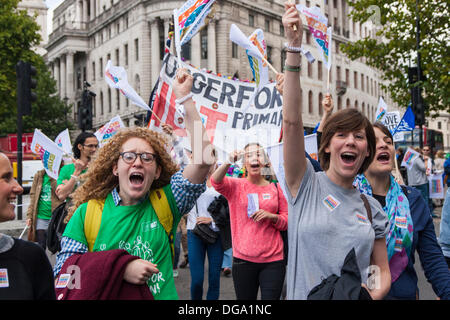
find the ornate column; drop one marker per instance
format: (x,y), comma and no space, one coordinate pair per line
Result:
(56,75)
(70,91)
(155,60)
(212,46)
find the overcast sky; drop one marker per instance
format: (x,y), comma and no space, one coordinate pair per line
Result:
(51,5)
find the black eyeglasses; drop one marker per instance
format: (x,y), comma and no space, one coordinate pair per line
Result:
(130,157)
(91,146)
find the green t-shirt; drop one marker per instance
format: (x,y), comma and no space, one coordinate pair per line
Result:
(137,230)
(45,199)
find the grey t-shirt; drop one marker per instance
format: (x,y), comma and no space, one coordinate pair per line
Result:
(417,175)
(325,222)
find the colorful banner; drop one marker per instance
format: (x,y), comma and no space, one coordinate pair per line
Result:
(51,155)
(408,121)
(116,77)
(260,69)
(436,186)
(109,130)
(391,121)
(220,103)
(318,26)
(409,158)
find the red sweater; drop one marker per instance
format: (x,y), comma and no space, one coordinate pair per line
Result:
(258,242)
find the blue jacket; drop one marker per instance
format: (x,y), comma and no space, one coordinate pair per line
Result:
(430,254)
(447,170)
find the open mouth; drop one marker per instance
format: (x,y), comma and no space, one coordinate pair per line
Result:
(348,157)
(136,178)
(254,165)
(383,157)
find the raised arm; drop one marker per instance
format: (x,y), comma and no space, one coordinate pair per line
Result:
(327,106)
(202,159)
(222,170)
(293,139)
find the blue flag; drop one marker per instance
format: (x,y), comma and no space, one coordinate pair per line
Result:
(408,121)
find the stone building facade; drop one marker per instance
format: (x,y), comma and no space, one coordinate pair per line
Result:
(38,8)
(131,33)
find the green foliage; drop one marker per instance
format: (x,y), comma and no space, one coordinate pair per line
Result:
(18,35)
(394,49)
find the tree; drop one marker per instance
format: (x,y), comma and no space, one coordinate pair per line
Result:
(394,49)
(19,34)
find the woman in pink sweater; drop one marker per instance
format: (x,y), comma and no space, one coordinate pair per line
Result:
(258,212)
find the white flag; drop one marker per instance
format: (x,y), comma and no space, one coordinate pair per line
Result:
(116,77)
(381,110)
(63,141)
(109,130)
(238,37)
(51,155)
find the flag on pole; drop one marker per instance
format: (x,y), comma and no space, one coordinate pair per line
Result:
(238,37)
(318,26)
(116,77)
(381,110)
(51,155)
(109,130)
(190,19)
(63,141)
(408,121)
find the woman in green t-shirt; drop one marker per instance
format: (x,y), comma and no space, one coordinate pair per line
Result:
(134,162)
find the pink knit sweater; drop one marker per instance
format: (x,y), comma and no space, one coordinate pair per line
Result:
(258,242)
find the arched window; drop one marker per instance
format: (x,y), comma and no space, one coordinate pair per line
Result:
(102,110)
(339,106)
(347,103)
(363,109)
(356,104)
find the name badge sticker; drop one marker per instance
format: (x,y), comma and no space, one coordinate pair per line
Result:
(63,280)
(4,281)
(266,196)
(331,203)
(401,222)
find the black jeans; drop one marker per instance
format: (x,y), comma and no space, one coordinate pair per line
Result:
(249,276)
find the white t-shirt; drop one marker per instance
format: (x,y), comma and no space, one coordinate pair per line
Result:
(201,209)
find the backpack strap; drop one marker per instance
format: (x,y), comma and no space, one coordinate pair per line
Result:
(367,206)
(92,221)
(160,204)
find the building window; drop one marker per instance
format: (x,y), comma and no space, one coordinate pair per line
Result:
(310,102)
(118,99)
(269,54)
(78,78)
(136,49)
(308,37)
(251,20)
(319,70)
(320,103)
(126,54)
(102,110)
(267,25)
(356,104)
(439,125)
(363,108)
(101,68)
(339,106)
(338,73)
(310,70)
(204,44)
(347,76)
(186,51)
(362,82)
(281,30)
(109,101)
(117,58)
(347,103)
(93,70)
(283,57)
(234,51)
(355,79)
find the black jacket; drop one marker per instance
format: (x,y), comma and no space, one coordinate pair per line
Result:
(220,213)
(344,287)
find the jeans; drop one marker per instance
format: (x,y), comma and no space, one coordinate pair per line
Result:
(249,276)
(196,254)
(444,234)
(425,191)
(227,258)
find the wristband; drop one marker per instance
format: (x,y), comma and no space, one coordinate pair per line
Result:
(292,49)
(73,176)
(186,97)
(292,68)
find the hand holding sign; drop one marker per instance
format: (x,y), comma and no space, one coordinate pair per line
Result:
(292,25)
(182,84)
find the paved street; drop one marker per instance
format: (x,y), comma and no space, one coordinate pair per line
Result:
(182,282)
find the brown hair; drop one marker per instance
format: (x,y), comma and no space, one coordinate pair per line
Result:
(346,120)
(383,129)
(99,180)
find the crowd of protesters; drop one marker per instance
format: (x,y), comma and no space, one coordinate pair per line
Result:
(348,216)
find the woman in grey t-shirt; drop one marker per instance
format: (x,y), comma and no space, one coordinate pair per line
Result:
(327,217)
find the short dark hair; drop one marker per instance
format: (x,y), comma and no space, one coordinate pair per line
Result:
(383,129)
(80,140)
(346,120)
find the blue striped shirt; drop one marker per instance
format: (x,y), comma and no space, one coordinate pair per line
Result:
(185,194)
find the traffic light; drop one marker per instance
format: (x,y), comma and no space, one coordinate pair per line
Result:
(85,110)
(25,83)
(417,103)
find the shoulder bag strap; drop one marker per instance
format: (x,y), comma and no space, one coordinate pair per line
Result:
(367,205)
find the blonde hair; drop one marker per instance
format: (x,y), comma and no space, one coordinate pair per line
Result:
(99,180)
